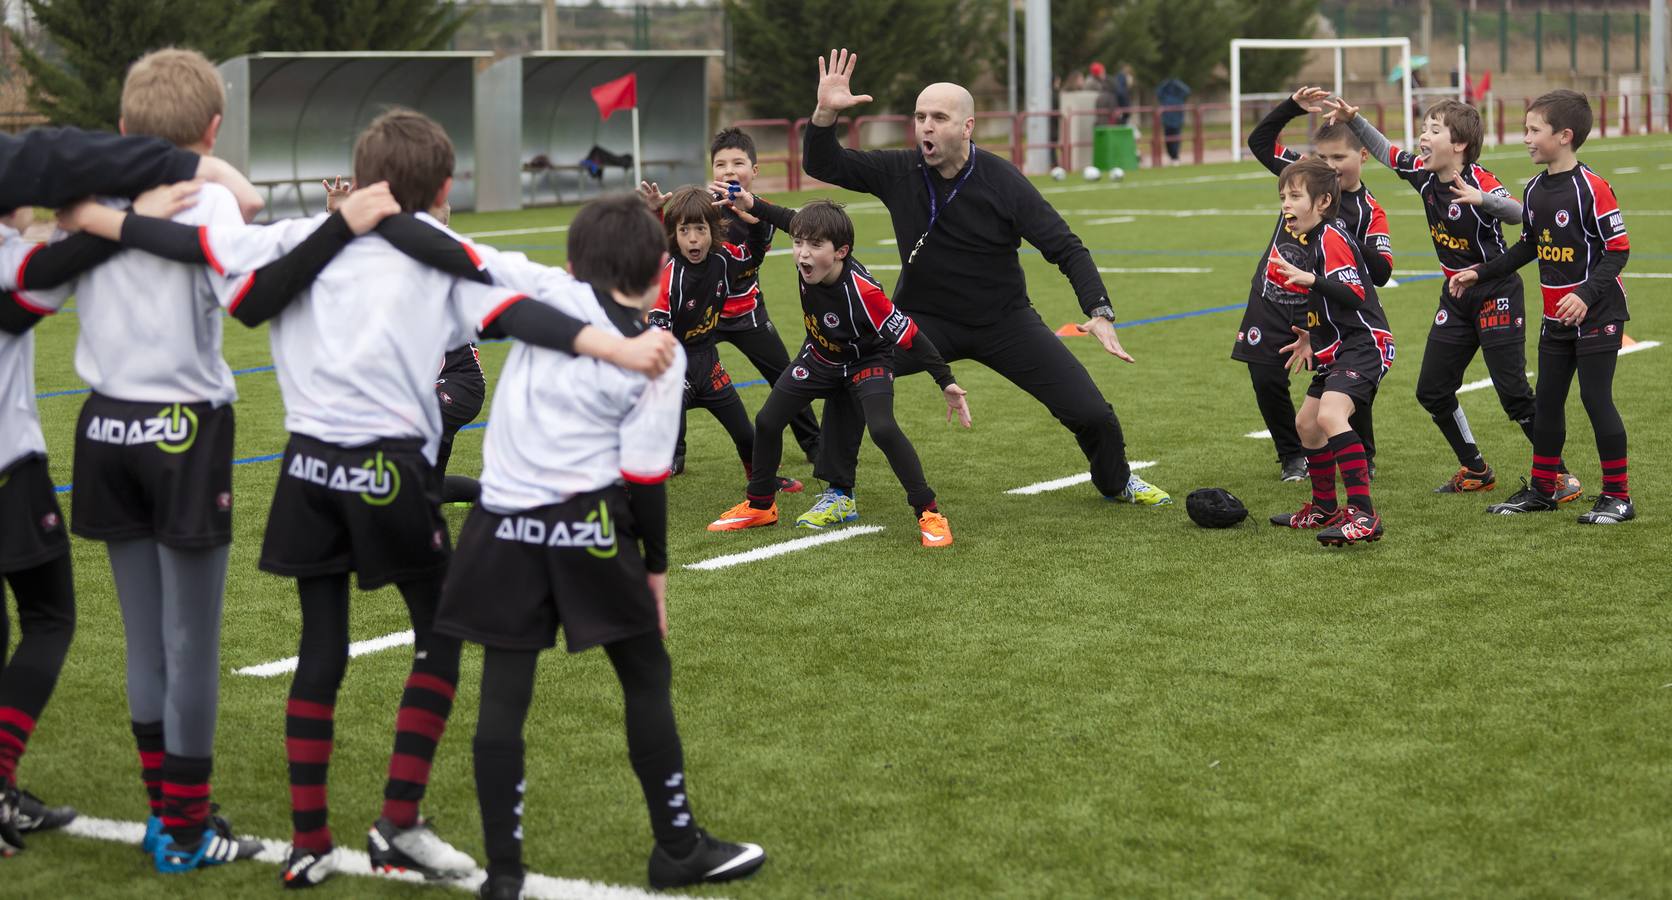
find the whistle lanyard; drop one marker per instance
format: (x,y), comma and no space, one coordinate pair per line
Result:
(935,206)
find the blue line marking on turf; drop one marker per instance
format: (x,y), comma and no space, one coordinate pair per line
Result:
(48,394)
(1182,315)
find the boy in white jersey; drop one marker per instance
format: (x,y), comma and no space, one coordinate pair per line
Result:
(34,545)
(153,471)
(573,481)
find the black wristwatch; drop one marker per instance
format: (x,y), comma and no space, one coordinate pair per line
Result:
(1103,311)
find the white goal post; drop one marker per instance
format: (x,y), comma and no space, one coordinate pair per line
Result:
(1338,45)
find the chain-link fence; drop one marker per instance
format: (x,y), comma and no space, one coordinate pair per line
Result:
(1510,36)
(510,28)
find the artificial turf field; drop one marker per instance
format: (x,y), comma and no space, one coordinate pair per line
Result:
(1077,699)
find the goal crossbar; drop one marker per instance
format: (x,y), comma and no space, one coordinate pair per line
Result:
(1338,45)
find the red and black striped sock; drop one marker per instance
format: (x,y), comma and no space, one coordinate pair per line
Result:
(1611,448)
(1355,470)
(15,728)
(1545,470)
(186,797)
(425,704)
(308,734)
(1320,465)
(149,737)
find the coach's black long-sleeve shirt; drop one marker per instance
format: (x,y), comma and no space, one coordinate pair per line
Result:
(55,166)
(968,270)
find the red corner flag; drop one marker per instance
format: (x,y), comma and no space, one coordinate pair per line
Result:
(622,93)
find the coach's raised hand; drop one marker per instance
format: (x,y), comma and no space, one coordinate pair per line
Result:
(367,206)
(835,94)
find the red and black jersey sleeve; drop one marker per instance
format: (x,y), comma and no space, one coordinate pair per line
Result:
(1340,280)
(1607,222)
(892,325)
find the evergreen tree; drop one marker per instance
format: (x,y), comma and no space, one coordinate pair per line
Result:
(348,25)
(903,45)
(97,40)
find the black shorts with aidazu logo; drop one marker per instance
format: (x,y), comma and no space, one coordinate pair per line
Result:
(707,383)
(1358,375)
(153,470)
(374,510)
(517,578)
(811,378)
(1486,315)
(1585,339)
(31,524)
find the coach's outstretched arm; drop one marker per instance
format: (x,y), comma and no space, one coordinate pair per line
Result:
(823,156)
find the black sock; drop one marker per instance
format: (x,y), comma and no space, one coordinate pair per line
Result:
(931,506)
(185,797)
(1455,426)
(1527,429)
(499,790)
(662,777)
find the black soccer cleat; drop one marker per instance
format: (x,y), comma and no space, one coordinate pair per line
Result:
(33,815)
(305,868)
(11,839)
(1294,469)
(1609,511)
(1526,500)
(712,861)
(501,887)
(1352,527)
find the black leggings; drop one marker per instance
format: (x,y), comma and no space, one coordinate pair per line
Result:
(1596,392)
(765,351)
(878,408)
(46,611)
(323,657)
(646,675)
(729,410)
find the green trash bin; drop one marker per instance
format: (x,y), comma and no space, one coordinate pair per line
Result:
(1114,146)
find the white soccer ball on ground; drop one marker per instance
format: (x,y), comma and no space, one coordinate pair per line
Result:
(1058,173)
(1117,173)
(1092,173)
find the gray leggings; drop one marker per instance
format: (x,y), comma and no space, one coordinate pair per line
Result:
(171,612)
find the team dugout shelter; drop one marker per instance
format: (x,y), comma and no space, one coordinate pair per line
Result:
(525,130)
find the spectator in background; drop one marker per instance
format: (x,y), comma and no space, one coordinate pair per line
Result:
(1122,85)
(1097,79)
(1170,96)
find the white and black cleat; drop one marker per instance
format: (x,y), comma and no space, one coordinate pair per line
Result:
(711,861)
(1294,469)
(34,815)
(417,849)
(1609,511)
(11,837)
(305,868)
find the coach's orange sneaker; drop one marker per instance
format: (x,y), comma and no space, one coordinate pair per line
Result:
(744,516)
(935,529)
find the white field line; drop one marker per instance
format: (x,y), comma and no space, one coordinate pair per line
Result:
(1664,167)
(771,550)
(1646,274)
(1113,220)
(1260,435)
(1153,270)
(1057,484)
(512,232)
(357,863)
(1628,170)
(358,648)
(1640,345)
(1480,385)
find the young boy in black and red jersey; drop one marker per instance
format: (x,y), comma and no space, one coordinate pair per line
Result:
(744,322)
(852,330)
(695,283)
(1347,340)
(1266,316)
(1574,228)
(1464,203)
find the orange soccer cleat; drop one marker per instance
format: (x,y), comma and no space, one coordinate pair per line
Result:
(934,528)
(744,516)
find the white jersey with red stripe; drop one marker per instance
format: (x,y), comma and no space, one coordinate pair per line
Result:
(20,425)
(1572,219)
(563,425)
(151,327)
(356,352)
